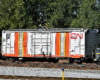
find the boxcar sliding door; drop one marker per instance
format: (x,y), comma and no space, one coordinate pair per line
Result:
(40,44)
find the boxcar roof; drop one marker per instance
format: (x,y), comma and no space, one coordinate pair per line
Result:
(50,30)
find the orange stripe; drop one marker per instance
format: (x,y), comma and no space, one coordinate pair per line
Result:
(4,54)
(81,56)
(76,56)
(28,55)
(25,51)
(45,56)
(12,55)
(67,45)
(9,55)
(57,44)
(25,39)
(38,56)
(25,44)
(16,44)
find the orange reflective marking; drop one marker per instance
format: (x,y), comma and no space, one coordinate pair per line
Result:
(38,56)
(28,55)
(81,56)
(9,55)
(25,39)
(4,54)
(57,44)
(16,44)
(12,55)
(25,51)
(76,56)
(25,44)
(67,45)
(44,56)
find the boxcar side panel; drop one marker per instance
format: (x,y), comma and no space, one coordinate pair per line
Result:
(40,44)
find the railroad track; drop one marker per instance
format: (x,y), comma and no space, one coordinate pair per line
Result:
(45,64)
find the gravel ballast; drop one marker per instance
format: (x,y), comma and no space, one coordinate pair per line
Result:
(48,72)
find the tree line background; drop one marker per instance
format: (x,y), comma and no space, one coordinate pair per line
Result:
(29,14)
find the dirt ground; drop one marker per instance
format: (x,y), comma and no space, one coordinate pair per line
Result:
(41,78)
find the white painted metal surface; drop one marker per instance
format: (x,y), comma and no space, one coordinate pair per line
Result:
(3,42)
(77,43)
(12,38)
(53,43)
(44,42)
(29,42)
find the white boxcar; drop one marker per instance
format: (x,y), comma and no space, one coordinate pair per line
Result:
(68,42)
